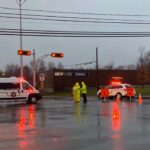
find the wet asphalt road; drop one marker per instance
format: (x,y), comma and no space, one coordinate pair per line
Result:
(62,125)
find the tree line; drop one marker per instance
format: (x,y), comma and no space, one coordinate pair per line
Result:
(46,68)
(142,67)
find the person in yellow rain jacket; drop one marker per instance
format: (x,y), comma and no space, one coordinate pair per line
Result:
(84,92)
(74,92)
(78,92)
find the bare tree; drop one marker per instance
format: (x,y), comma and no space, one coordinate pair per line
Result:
(12,70)
(2,73)
(131,67)
(49,74)
(142,70)
(110,66)
(42,67)
(147,60)
(50,66)
(60,66)
(27,71)
(121,67)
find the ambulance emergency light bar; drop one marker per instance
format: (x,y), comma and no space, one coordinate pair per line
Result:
(116,81)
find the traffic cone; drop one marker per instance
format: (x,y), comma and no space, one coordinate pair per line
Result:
(140,99)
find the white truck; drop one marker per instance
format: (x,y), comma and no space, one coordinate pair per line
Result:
(17,89)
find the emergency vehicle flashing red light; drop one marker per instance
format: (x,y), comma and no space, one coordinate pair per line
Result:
(115,83)
(21,80)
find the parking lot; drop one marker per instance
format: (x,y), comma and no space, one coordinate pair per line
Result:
(59,124)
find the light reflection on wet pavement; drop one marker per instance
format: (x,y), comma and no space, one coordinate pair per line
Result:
(63,125)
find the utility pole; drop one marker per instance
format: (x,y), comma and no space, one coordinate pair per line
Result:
(97,69)
(34,69)
(20,3)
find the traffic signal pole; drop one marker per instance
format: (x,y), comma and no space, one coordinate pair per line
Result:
(20,3)
(21,57)
(97,69)
(34,69)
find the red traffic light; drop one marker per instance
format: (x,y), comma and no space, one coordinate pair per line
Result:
(57,55)
(23,52)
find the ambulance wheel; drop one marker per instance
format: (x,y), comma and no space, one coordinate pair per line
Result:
(32,99)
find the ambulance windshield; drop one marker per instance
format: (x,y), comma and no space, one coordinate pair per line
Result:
(26,86)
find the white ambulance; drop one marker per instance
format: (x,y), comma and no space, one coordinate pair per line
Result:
(18,89)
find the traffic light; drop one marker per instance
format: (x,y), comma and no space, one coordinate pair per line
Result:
(24,52)
(57,54)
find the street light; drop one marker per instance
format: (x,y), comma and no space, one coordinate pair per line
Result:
(20,3)
(37,61)
(35,64)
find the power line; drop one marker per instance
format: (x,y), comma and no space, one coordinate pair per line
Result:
(79,13)
(85,63)
(68,32)
(68,17)
(85,34)
(77,36)
(74,19)
(78,21)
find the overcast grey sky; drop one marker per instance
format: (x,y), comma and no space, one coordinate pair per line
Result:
(120,51)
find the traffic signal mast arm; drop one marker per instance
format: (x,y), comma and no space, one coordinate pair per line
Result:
(41,58)
(53,54)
